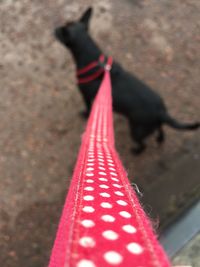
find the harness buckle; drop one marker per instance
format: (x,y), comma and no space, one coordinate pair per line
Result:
(106,64)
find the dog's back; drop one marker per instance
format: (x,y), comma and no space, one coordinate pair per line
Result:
(144,108)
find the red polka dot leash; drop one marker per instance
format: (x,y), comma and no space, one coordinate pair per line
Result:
(103,223)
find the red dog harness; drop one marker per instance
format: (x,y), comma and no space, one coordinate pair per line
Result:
(99,63)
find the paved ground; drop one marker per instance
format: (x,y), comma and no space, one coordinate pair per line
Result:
(40,125)
(189,255)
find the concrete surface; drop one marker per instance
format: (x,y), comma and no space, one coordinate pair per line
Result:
(189,255)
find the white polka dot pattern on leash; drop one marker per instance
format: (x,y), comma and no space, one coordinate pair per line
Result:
(88,198)
(88,223)
(134,248)
(88,209)
(90,169)
(110,235)
(85,263)
(108,218)
(106,205)
(105,222)
(118,193)
(87,242)
(104,194)
(104,186)
(122,202)
(115,179)
(89,181)
(89,188)
(117,185)
(103,179)
(89,174)
(125,214)
(129,229)
(113,257)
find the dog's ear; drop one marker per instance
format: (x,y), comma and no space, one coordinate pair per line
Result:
(86,17)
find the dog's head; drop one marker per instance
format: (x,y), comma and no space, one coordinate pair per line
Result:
(71,31)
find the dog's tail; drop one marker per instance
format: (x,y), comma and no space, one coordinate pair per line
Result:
(166,118)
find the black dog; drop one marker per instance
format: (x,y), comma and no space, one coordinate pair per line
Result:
(144,109)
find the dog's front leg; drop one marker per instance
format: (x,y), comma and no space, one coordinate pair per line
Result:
(85,113)
(161,136)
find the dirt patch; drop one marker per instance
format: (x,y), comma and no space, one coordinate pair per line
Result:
(39,110)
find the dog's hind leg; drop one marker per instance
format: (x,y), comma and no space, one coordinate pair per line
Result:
(139,149)
(138,134)
(161,136)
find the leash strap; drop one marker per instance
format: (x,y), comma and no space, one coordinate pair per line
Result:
(103,223)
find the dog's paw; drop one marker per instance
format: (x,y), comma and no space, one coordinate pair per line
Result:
(137,150)
(160,139)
